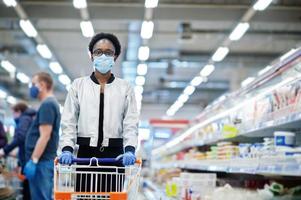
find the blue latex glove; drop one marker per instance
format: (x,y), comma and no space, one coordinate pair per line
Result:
(30,170)
(128,158)
(66,158)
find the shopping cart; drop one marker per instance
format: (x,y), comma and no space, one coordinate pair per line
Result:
(90,178)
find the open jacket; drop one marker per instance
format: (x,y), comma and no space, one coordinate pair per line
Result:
(80,118)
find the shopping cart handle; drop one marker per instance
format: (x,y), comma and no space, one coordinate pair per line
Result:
(93,160)
(100,160)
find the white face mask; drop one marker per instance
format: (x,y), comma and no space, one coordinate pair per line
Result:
(103,63)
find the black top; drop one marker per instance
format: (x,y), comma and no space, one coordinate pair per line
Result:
(101,108)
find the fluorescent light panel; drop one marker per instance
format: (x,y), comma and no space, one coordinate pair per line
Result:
(23,78)
(142,69)
(207,70)
(264,70)
(247,81)
(140,80)
(87,28)
(139,97)
(196,81)
(239,31)
(147,29)
(261,5)
(138,89)
(8,66)
(143,53)
(10,3)
(11,100)
(64,79)
(28,28)
(220,54)
(79,4)
(44,51)
(3,94)
(151,3)
(55,67)
(189,90)
(183,98)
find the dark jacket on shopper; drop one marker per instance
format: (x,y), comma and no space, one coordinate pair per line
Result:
(3,138)
(23,124)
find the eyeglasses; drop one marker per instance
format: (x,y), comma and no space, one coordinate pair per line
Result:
(99,52)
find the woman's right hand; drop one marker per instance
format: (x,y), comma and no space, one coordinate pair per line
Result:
(66,158)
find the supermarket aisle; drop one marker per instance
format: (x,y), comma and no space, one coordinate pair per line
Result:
(206,93)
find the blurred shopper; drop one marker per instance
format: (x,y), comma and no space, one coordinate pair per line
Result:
(42,139)
(23,117)
(3,138)
(100,112)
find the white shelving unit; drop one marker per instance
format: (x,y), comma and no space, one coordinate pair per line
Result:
(272,166)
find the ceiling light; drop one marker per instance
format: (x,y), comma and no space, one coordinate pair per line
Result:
(140,80)
(170,112)
(147,29)
(264,70)
(8,66)
(183,98)
(220,54)
(138,89)
(10,3)
(68,87)
(262,4)
(151,3)
(44,51)
(143,53)
(142,69)
(23,78)
(3,94)
(239,31)
(189,90)
(28,28)
(178,104)
(196,81)
(11,100)
(79,4)
(87,28)
(139,97)
(64,79)
(247,81)
(288,54)
(55,67)
(207,70)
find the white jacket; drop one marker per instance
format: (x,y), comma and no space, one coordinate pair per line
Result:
(80,117)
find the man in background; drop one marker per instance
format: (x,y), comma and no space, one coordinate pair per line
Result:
(42,139)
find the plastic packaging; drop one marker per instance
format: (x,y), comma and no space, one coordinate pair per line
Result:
(284,138)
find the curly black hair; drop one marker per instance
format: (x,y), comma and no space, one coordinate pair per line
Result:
(108,36)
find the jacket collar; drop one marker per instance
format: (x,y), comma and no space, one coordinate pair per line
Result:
(94,79)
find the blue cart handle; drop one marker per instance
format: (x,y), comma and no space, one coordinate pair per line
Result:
(93,160)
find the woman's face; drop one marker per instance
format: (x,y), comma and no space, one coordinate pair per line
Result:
(104,46)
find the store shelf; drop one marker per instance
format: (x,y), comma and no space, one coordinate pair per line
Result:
(154,192)
(269,166)
(265,129)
